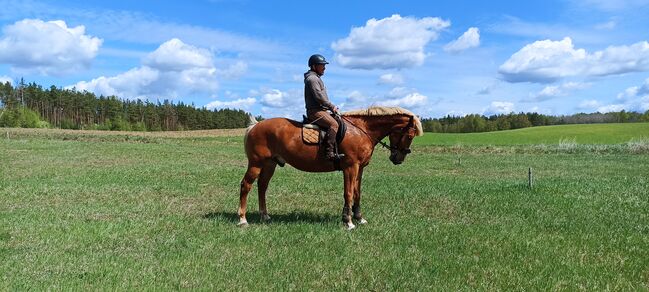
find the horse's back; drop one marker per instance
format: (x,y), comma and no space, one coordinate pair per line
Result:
(274,127)
(271,132)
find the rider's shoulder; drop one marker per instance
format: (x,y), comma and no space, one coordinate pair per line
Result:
(311,76)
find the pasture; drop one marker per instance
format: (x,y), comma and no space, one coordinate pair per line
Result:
(145,211)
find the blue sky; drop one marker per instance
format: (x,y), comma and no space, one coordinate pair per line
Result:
(432,57)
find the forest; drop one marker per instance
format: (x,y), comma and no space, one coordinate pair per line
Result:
(32,106)
(480,123)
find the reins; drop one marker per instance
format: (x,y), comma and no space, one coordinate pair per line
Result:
(385,145)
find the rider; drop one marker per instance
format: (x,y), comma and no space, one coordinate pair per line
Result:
(318,104)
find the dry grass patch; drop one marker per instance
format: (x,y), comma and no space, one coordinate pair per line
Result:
(54,133)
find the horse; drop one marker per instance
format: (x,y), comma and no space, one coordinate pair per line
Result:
(278,140)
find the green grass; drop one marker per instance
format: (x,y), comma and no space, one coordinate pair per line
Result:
(580,134)
(160,213)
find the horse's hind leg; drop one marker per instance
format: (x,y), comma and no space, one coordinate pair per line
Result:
(246,184)
(262,185)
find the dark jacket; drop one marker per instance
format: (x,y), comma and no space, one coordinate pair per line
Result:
(315,93)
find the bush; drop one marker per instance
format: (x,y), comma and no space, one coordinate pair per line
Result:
(43,125)
(139,126)
(69,124)
(120,124)
(20,117)
(8,119)
(101,127)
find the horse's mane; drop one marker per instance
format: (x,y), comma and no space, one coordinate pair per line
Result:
(387,111)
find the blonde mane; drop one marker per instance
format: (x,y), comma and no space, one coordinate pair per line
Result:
(387,111)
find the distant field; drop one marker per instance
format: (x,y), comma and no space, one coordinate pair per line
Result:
(108,211)
(580,134)
(59,133)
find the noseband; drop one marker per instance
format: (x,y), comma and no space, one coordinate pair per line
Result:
(403,131)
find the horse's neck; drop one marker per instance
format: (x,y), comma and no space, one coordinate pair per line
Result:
(377,127)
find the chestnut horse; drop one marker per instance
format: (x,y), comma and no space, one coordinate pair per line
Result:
(279,140)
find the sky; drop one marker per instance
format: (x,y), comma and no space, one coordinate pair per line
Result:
(435,58)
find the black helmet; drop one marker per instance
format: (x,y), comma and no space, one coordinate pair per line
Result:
(317,59)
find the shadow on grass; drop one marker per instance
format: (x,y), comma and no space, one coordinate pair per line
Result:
(293,217)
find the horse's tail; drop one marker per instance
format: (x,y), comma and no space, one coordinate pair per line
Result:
(251,123)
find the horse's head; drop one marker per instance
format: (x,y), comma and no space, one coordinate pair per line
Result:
(400,140)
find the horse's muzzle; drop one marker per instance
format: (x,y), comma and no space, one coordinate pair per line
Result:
(395,160)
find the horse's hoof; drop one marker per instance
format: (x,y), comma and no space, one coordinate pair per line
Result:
(265,218)
(242,223)
(350,226)
(362,221)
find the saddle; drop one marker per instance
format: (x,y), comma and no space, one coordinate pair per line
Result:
(313,134)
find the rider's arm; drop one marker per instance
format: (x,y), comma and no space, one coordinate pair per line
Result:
(319,92)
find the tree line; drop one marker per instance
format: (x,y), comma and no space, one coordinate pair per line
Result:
(32,105)
(480,123)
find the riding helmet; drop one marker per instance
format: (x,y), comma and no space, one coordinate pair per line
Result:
(317,59)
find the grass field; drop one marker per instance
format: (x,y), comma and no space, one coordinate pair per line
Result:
(151,212)
(580,134)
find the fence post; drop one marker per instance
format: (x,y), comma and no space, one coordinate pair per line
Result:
(529,178)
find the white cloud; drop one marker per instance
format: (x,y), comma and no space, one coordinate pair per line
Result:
(399,96)
(356,98)
(611,108)
(611,24)
(499,107)
(552,91)
(5,79)
(141,27)
(411,100)
(470,39)
(275,98)
(49,48)
(628,93)
(135,83)
(391,78)
(172,70)
(634,98)
(589,104)
(174,55)
(278,103)
(392,42)
(634,91)
(547,61)
(232,70)
(455,113)
(485,90)
(242,103)
(545,111)
(513,26)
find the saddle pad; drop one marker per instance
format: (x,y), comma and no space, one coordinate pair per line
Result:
(310,135)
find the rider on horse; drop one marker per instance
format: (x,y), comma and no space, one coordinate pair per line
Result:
(318,106)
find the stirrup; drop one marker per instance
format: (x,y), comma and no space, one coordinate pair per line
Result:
(336,157)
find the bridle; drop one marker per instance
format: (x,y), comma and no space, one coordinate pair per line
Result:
(404,131)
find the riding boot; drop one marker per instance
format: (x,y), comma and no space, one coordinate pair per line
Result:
(330,145)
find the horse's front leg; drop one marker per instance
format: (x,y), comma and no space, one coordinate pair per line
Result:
(350,175)
(356,208)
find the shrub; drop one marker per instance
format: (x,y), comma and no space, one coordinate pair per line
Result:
(139,126)
(20,117)
(8,119)
(120,124)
